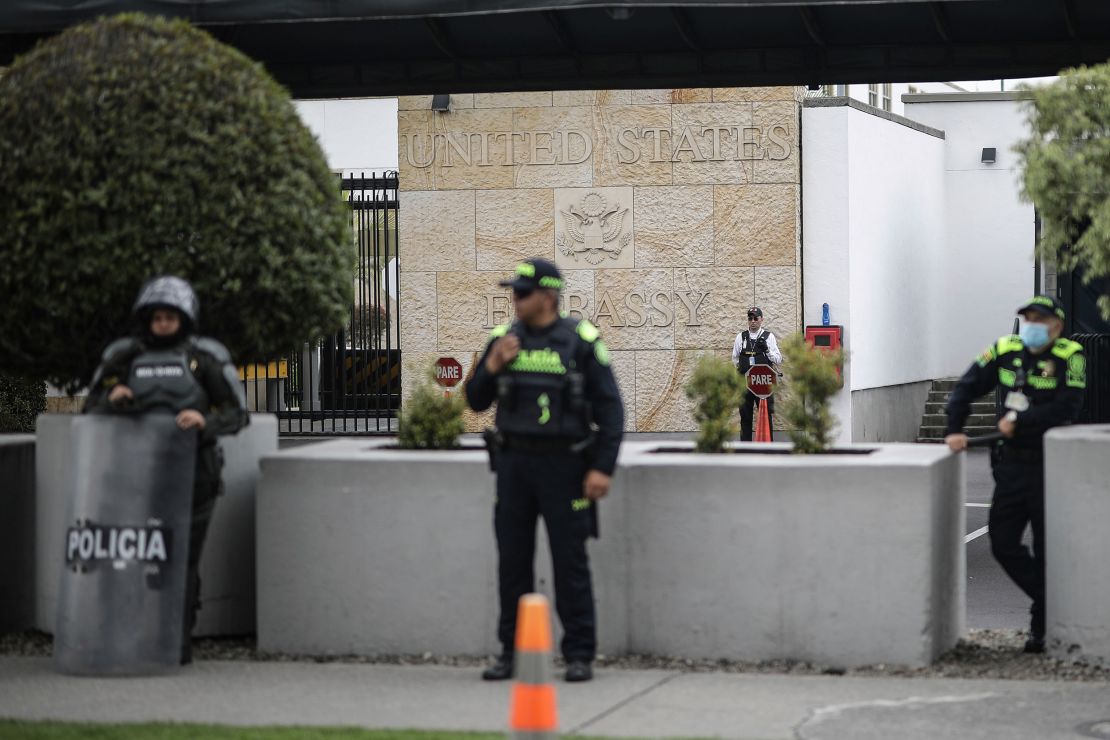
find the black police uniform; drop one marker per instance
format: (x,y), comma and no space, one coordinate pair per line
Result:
(1053,382)
(559,385)
(190,373)
(753,348)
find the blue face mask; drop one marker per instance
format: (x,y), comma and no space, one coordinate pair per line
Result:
(1034,336)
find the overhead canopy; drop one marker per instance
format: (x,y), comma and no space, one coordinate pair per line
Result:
(395,47)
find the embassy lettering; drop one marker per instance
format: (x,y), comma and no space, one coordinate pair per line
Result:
(572,146)
(636,309)
(139,544)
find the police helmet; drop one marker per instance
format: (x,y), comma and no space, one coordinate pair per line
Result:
(168,291)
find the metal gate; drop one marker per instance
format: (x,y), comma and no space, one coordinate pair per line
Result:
(348,383)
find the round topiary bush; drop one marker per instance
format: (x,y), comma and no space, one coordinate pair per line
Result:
(134,146)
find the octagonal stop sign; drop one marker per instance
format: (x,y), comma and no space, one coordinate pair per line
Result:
(761,380)
(448,372)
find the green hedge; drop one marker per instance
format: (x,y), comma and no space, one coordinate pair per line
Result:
(21,401)
(134,146)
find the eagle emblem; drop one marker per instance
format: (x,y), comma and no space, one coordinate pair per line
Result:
(592,228)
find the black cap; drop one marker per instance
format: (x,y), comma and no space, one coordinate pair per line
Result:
(535,273)
(1044,305)
(755,311)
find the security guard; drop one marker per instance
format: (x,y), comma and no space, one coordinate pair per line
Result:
(165,365)
(1043,376)
(559,424)
(754,346)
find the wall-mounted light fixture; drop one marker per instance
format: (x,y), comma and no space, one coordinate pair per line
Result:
(441,103)
(988,156)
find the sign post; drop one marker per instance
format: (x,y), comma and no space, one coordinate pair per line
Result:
(761,380)
(448,373)
(761,383)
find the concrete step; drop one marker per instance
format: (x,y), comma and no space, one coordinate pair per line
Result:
(977,409)
(942,396)
(945,384)
(975,420)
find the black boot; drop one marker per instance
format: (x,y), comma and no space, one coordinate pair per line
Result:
(501,670)
(578,670)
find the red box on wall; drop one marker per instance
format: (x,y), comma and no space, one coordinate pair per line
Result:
(825,337)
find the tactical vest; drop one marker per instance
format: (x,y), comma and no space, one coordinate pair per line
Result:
(164,378)
(1038,376)
(542,391)
(747,351)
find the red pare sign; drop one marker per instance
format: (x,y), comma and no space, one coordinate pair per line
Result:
(761,380)
(448,372)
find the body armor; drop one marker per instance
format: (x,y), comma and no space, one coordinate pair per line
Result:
(748,351)
(164,378)
(1038,377)
(542,391)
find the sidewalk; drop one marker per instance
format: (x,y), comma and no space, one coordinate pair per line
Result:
(618,703)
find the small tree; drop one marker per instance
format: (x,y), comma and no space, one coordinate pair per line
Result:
(1066,163)
(813,379)
(716,389)
(429,420)
(134,146)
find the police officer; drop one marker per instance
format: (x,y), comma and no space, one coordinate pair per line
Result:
(1043,376)
(754,346)
(206,395)
(558,428)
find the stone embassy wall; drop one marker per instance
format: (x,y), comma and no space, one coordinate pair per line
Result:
(669,212)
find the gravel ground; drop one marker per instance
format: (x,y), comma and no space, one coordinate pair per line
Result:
(982,654)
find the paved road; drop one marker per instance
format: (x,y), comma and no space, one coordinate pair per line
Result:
(993,601)
(619,703)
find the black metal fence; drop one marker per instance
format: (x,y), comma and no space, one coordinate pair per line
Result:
(1096,403)
(348,383)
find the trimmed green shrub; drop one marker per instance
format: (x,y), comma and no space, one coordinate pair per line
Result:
(134,146)
(430,421)
(813,379)
(21,400)
(716,389)
(1066,168)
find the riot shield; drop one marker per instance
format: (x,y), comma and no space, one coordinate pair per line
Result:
(122,595)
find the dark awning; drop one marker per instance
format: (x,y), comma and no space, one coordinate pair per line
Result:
(392,47)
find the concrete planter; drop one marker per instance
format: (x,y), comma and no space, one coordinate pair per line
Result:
(17,528)
(227,566)
(368,550)
(841,559)
(1077,509)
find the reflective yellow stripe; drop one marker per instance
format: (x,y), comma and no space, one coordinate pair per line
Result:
(588,331)
(499,331)
(1065,348)
(1007,377)
(1042,383)
(1010,343)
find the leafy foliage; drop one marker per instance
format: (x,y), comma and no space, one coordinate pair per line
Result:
(1066,163)
(429,421)
(21,400)
(716,389)
(134,146)
(813,379)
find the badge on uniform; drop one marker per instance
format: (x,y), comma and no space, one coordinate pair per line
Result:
(1016,401)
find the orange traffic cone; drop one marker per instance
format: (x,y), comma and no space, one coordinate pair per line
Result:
(533,714)
(763,424)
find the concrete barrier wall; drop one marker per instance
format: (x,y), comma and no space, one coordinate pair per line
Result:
(227,566)
(837,559)
(1077,549)
(845,559)
(17,528)
(375,551)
